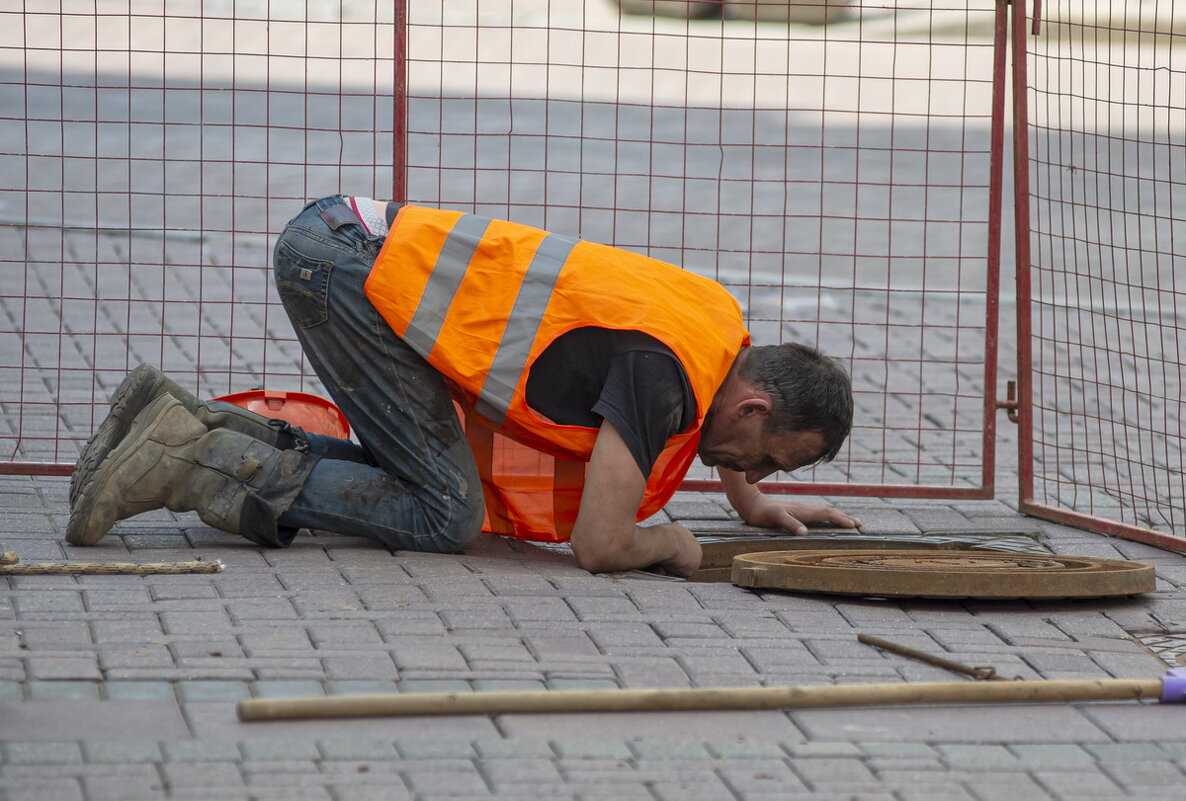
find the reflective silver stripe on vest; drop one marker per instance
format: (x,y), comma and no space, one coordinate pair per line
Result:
(528,312)
(452,262)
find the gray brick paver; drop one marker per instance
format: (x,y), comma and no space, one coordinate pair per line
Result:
(1154,776)
(43,790)
(148,785)
(658,673)
(279,770)
(673,630)
(32,604)
(202,774)
(102,600)
(880,764)
(566,680)
(507,773)
(570,750)
(287,792)
(822,748)
(430,655)
(1132,752)
(613,792)
(835,773)
(61,668)
(369,792)
(758,778)
(935,792)
(442,754)
(359,665)
(1087,783)
(332,615)
(141,627)
(201,751)
(135,655)
(702,789)
(456,781)
(1054,756)
(213,690)
(1008,787)
(517,748)
(52,634)
(41,753)
(761,623)
(1128,666)
(122,751)
(983,757)
(115,690)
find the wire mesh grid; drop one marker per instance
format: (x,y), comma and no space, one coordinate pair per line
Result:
(148,151)
(834,176)
(1107,198)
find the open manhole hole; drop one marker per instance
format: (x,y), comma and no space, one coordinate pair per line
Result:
(939,574)
(1168,647)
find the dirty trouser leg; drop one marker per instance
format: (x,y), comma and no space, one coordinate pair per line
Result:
(413,484)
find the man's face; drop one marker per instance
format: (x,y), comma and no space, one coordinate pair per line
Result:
(745,447)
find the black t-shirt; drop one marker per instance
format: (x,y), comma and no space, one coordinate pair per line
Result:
(592,374)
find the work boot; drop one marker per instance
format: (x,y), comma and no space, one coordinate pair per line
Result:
(144,385)
(170,460)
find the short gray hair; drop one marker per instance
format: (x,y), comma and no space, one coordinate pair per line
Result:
(808,390)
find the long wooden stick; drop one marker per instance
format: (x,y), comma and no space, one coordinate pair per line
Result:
(106,568)
(488,703)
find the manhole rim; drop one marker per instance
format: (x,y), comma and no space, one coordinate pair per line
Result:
(796,571)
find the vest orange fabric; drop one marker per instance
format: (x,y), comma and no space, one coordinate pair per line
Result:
(481,299)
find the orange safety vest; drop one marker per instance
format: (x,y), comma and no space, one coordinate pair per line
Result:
(481,299)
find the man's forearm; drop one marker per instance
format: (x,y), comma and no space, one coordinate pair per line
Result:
(740,493)
(668,545)
(605,536)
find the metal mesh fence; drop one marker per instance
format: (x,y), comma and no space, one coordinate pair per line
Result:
(147,153)
(834,176)
(1106,97)
(833,171)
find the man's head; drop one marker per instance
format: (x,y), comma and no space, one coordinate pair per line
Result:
(782,407)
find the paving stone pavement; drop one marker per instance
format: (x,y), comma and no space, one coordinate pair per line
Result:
(124,687)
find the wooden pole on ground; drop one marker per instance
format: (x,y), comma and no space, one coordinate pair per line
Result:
(489,703)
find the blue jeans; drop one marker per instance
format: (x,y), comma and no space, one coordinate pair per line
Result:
(412,484)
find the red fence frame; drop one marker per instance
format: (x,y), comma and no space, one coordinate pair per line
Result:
(1100,442)
(57,366)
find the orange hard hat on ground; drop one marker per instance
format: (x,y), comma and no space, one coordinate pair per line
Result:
(315,415)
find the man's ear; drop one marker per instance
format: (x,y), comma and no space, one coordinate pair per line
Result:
(756,404)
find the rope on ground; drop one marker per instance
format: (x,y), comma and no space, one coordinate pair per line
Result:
(10,565)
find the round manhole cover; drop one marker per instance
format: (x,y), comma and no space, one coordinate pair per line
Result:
(931,574)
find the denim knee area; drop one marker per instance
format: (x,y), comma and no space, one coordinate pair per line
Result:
(356,499)
(412,483)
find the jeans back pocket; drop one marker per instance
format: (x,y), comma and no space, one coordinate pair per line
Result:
(303,285)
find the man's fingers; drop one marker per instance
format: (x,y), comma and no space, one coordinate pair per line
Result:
(825,514)
(794,525)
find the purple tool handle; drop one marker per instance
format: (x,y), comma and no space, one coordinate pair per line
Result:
(1173,686)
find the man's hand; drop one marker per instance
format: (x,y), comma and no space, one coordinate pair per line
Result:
(605,536)
(793,516)
(761,510)
(686,560)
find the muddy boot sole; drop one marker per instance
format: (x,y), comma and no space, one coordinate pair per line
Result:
(141,387)
(135,477)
